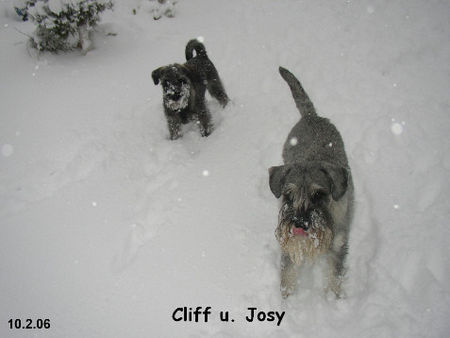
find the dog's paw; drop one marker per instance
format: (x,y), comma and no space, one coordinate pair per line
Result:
(334,289)
(175,133)
(205,130)
(286,291)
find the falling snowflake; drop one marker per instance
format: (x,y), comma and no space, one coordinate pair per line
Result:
(396,128)
(293,141)
(7,150)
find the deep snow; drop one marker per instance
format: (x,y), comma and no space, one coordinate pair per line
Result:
(106,226)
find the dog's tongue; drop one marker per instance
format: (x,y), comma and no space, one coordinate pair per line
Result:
(298,231)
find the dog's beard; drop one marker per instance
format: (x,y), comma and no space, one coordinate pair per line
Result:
(180,103)
(301,248)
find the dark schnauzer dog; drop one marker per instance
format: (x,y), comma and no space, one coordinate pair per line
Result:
(184,89)
(316,187)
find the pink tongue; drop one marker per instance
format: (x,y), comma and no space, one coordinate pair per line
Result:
(298,231)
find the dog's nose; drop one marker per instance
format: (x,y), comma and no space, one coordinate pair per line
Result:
(301,222)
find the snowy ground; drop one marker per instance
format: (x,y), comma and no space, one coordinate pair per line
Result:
(106,226)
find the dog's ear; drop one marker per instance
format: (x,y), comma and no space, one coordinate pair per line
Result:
(276,179)
(156,75)
(338,178)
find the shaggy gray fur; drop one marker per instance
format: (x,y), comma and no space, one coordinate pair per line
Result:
(184,87)
(316,187)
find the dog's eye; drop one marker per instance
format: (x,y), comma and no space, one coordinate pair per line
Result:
(287,198)
(182,82)
(318,196)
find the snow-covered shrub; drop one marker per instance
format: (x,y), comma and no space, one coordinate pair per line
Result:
(8,10)
(63,25)
(21,8)
(157,8)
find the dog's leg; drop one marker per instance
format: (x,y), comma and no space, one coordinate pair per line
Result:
(205,124)
(289,275)
(174,125)
(217,91)
(203,119)
(336,260)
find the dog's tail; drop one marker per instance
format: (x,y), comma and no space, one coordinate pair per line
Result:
(196,45)
(302,101)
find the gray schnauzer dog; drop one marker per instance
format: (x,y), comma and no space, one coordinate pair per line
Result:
(316,187)
(184,89)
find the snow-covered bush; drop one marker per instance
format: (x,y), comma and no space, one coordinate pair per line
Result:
(63,25)
(157,8)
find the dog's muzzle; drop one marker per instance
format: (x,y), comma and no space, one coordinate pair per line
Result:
(301,223)
(177,98)
(174,97)
(301,244)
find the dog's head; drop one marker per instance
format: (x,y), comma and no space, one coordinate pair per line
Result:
(176,85)
(307,192)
